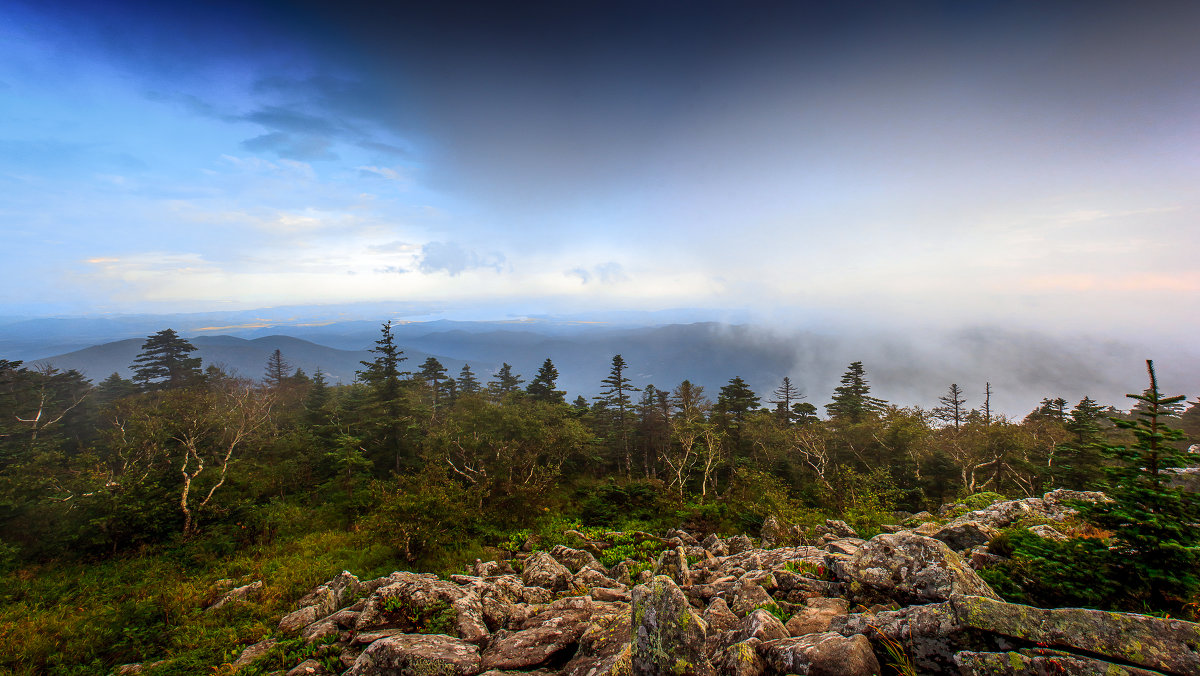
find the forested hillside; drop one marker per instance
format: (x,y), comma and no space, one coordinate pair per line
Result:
(183,469)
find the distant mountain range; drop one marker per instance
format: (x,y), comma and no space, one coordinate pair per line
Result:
(902,366)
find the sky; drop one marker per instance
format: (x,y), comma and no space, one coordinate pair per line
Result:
(1034,164)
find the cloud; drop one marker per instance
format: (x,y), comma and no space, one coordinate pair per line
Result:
(391,270)
(292,146)
(604,273)
(394,247)
(452,258)
(386,172)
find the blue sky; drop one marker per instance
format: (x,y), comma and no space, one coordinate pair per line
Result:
(1034,164)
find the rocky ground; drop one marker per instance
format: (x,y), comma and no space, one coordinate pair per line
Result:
(907,601)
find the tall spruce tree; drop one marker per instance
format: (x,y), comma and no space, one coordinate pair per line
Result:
(852,400)
(435,376)
(541,388)
(467,382)
(277,371)
(785,394)
(615,400)
(385,407)
(166,362)
(1155,546)
(506,381)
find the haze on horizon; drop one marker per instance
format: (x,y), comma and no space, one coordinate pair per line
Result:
(1028,164)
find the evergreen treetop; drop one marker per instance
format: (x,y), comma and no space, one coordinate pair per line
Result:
(165,362)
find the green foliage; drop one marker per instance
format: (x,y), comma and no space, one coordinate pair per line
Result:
(780,614)
(814,571)
(437,617)
(1049,573)
(1155,544)
(287,653)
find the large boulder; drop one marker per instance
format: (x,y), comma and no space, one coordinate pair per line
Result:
(413,654)
(542,570)
(573,559)
(541,637)
(1021,662)
(239,595)
(1171,646)
(604,649)
(824,654)
(674,564)
(815,615)
(911,568)
(930,634)
(761,625)
(668,637)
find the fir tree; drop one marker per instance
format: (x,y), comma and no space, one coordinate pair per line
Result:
(852,400)
(434,375)
(615,399)
(541,388)
(165,362)
(506,381)
(785,394)
(1155,546)
(467,382)
(277,370)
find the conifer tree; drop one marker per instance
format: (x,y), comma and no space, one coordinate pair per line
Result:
(852,400)
(165,362)
(785,394)
(467,382)
(382,377)
(1155,546)
(506,381)
(951,409)
(541,388)
(277,370)
(615,399)
(434,375)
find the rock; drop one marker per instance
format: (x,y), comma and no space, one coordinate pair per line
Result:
(1031,662)
(719,618)
(604,649)
(930,634)
(253,652)
(541,638)
(715,545)
(840,528)
(319,630)
(965,535)
(738,544)
(294,621)
(1047,532)
(687,538)
(762,625)
(238,595)
(848,546)
(1171,646)
(815,616)
(542,570)
(414,654)
(912,569)
(309,668)
(747,596)
(741,659)
(673,563)
(609,595)
(573,559)
(1063,497)
(772,532)
(668,638)
(824,654)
